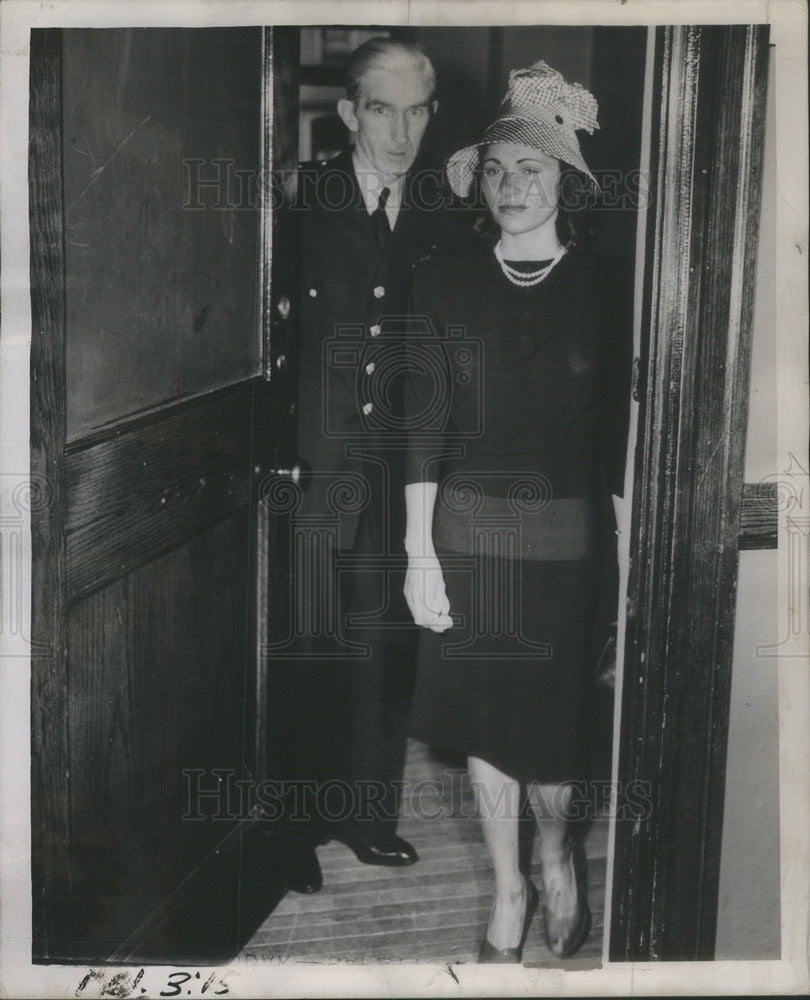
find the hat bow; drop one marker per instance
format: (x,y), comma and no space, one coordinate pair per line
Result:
(539,87)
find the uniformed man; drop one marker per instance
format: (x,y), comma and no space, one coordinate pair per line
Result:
(365,219)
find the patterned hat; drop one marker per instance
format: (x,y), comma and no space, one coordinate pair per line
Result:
(540,110)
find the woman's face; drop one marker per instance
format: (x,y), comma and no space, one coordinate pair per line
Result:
(520,185)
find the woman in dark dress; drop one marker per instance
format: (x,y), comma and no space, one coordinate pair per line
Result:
(517,400)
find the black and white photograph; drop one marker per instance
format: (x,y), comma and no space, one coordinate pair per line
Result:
(403,499)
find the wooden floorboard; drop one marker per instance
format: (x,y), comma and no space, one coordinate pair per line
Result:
(434,911)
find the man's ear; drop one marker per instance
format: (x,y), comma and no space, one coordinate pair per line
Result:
(345,108)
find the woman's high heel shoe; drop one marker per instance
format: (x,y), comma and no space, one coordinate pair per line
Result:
(488,953)
(566,935)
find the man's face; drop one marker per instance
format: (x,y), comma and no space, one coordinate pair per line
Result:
(391,116)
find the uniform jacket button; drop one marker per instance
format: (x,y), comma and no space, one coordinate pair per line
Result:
(313,292)
(367,408)
(370,368)
(375,330)
(379,291)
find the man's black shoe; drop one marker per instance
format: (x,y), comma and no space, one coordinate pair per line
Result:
(303,869)
(387,849)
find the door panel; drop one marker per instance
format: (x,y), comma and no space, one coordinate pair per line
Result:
(148,417)
(157,686)
(161,160)
(140,491)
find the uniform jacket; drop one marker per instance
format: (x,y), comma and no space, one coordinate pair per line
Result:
(349,350)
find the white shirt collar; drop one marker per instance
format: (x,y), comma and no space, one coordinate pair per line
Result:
(372,182)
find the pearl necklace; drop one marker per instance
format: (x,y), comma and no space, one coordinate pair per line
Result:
(526,279)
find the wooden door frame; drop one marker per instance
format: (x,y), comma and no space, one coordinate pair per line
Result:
(706,173)
(50,756)
(279,159)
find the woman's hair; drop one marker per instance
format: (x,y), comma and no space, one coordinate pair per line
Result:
(384,50)
(574,220)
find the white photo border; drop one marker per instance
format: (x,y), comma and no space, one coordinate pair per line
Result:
(788,20)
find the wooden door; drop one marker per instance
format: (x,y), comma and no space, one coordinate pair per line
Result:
(152,422)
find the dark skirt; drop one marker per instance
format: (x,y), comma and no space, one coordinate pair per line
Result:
(508,683)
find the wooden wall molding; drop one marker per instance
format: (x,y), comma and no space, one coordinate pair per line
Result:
(759,516)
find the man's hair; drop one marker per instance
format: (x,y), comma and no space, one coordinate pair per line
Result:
(384,50)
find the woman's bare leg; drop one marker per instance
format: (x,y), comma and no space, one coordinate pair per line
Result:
(551,805)
(498,801)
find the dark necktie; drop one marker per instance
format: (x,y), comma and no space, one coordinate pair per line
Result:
(379,220)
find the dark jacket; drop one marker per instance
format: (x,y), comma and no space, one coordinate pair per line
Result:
(349,293)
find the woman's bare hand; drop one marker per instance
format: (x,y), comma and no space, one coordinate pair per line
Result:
(425,594)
